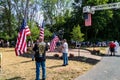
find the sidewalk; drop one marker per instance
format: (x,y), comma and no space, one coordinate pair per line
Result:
(107,69)
(82,52)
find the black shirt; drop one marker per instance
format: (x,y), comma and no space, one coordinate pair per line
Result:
(40,51)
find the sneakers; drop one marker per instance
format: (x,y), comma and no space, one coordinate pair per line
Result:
(64,64)
(43,79)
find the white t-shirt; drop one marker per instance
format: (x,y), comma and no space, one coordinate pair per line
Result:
(65,47)
(117,45)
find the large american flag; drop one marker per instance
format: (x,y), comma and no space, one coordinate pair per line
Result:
(21,45)
(42,30)
(88,19)
(53,42)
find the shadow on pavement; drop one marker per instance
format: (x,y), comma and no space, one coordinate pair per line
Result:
(111,56)
(26,61)
(27,55)
(55,66)
(16,78)
(76,58)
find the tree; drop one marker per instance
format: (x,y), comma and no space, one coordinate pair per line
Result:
(54,10)
(76,34)
(99,20)
(12,14)
(7,21)
(47,34)
(113,28)
(35,32)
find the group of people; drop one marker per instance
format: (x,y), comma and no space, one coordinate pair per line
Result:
(113,48)
(40,49)
(4,43)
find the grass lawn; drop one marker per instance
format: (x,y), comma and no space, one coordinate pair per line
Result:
(23,68)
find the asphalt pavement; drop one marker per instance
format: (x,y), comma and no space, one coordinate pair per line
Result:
(107,69)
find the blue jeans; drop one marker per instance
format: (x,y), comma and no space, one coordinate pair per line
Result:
(42,64)
(33,57)
(65,59)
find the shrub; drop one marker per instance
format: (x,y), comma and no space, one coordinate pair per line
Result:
(96,52)
(71,55)
(56,55)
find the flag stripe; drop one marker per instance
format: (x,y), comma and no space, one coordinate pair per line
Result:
(27,31)
(22,41)
(53,43)
(88,19)
(21,45)
(42,30)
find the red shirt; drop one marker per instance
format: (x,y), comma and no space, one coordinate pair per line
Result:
(112,45)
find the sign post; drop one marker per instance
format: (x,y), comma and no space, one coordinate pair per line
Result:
(78,46)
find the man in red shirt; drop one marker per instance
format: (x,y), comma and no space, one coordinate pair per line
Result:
(112,48)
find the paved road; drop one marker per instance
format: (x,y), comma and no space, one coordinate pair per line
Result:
(107,69)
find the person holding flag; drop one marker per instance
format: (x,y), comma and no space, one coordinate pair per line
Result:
(55,39)
(40,49)
(65,52)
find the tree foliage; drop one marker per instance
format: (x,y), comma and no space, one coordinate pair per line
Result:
(76,34)
(59,15)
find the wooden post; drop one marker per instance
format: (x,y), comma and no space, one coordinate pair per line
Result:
(78,47)
(79,51)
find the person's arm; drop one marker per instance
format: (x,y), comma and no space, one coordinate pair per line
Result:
(64,45)
(47,46)
(35,47)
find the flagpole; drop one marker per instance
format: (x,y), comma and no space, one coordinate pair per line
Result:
(31,49)
(31,40)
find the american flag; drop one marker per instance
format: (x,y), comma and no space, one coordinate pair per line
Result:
(42,30)
(21,45)
(88,19)
(53,42)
